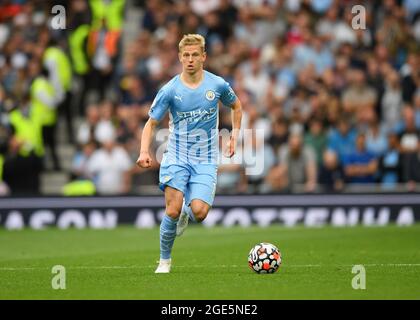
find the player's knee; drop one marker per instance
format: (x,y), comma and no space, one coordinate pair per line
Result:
(173,207)
(200,215)
(200,211)
(173,211)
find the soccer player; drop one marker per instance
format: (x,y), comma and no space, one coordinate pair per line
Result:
(188,169)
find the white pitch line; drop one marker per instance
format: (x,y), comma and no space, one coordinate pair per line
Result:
(392,265)
(216,266)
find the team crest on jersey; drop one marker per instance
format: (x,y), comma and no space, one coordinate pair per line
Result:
(210,95)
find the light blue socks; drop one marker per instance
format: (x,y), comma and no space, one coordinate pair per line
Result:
(167,236)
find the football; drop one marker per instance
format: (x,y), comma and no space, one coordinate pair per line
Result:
(264,258)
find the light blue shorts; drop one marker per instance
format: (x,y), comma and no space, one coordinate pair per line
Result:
(196,181)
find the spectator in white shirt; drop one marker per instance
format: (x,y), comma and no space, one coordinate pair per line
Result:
(110,165)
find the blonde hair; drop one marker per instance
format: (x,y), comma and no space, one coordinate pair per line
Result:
(192,39)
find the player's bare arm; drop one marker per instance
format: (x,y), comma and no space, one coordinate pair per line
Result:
(145,160)
(236,115)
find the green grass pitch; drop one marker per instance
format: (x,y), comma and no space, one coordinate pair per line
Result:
(211,263)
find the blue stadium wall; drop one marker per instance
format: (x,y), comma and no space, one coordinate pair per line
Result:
(246,210)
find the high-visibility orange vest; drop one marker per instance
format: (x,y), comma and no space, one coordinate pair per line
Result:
(111,42)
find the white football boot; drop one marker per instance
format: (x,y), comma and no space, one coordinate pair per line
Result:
(164,266)
(182,222)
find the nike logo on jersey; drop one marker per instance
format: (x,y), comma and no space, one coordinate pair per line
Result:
(178,97)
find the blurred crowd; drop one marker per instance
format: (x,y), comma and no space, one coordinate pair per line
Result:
(338,101)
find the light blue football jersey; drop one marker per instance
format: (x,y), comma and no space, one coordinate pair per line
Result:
(193,118)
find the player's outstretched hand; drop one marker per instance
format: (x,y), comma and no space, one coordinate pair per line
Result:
(144,160)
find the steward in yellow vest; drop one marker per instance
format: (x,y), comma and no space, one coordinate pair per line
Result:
(112,11)
(44,102)
(23,162)
(78,53)
(60,76)
(103,45)
(59,67)
(77,40)
(27,130)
